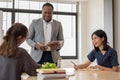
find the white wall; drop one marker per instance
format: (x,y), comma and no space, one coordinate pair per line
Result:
(108,20)
(92,19)
(82,31)
(117,26)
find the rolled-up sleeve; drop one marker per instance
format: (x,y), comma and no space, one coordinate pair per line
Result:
(91,56)
(115,59)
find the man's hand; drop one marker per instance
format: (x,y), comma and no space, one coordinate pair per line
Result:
(40,46)
(54,45)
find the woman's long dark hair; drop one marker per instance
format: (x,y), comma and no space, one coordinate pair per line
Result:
(100,33)
(9,46)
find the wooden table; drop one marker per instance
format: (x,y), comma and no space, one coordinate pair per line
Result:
(90,75)
(95,75)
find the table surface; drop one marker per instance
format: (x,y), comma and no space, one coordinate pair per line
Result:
(86,74)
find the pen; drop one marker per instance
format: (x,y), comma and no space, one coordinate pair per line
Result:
(73,62)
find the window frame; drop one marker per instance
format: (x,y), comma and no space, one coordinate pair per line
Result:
(13,11)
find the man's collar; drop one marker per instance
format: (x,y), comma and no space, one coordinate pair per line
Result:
(48,22)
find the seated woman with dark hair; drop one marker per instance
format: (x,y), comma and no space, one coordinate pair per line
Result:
(105,55)
(13,59)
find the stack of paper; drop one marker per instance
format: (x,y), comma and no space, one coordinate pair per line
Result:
(47,74)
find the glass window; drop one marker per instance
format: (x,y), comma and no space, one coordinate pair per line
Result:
(6,4)
(69,31)
(26,18)
(6,21)
(66,16)
(32,5)
(69,28)
(65,7)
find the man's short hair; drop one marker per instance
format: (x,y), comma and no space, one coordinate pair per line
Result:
(47,4)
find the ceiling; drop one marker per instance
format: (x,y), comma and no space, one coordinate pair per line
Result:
(66,1)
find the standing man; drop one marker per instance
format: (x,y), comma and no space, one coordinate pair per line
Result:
(44,37)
